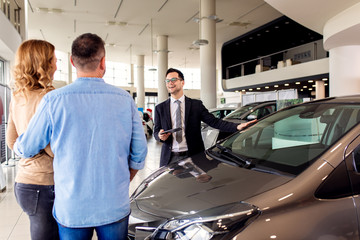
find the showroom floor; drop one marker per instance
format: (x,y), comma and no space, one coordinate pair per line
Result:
(14,223)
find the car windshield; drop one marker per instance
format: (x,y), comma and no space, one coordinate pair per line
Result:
(288,141)
(240,111)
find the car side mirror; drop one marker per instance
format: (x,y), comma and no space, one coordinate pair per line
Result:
(251,117)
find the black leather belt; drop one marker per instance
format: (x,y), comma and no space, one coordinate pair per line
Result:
(179,153)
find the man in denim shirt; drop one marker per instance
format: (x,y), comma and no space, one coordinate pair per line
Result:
(99,144)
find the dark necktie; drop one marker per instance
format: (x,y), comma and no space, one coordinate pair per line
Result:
(178,134)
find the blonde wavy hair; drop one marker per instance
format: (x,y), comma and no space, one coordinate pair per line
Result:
(33,66)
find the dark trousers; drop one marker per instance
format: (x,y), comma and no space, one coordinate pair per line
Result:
(37,202)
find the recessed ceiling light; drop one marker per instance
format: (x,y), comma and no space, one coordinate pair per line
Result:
(250,89)
(276,85)
(286,84)
(258,88)
(243,90)
(313,85)
(325,84)
(324,79)
(310,81)
(297,83)
(267,87)
(304,86)
(310,89)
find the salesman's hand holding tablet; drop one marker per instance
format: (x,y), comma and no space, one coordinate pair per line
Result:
(163,135)
(171,130)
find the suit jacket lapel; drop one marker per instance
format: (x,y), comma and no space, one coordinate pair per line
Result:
(187,109)
(168,114)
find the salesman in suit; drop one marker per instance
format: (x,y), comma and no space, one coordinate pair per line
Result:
(186,113)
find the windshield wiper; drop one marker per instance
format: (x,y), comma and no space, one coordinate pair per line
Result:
(240,160)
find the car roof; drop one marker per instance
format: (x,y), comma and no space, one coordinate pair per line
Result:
(222,108)
(339,99)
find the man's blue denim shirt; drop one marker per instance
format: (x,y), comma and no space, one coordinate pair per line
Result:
(96,135)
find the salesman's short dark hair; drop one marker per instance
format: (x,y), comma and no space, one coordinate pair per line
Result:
(170,70)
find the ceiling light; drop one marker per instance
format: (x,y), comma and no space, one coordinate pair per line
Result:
(310,89)
(50,10)
(313,85)
(310,81)
(200,42)
(325,84)
(215,18)
(239,24)
(267,87)
(243,90)
(286,84)
(304,86)
(297,83)
(324,79)
(250,89)
(114,23)
(258,88)
(193,47)
(276,85)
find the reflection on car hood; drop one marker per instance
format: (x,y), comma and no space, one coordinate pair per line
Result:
(197,183)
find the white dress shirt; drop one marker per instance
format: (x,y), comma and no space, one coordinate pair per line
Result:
(178,147)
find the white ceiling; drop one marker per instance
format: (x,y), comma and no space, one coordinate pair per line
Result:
(169,17)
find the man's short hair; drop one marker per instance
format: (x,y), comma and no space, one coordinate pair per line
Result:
(87,51)
(170,70)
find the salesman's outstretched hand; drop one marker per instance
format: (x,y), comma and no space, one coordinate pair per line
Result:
(244,125)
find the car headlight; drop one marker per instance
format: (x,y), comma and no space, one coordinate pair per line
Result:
(208,224)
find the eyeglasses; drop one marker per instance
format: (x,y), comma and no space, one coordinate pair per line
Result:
(173,80)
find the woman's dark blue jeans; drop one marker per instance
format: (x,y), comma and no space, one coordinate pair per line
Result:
(37,202)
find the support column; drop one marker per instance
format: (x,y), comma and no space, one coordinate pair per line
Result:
(208,54)
(140,89)
(70,80)
(344,70)
(162,47)
(131,82)
(319,89)
(340,39)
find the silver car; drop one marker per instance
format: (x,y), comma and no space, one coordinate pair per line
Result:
(293,175)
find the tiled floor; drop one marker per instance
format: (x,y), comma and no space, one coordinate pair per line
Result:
(14,223)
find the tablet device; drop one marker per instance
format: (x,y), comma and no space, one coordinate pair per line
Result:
(172,130)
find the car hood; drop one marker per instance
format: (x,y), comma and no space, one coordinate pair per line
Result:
(197,183)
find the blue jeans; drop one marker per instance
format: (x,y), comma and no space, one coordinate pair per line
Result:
(37,202)
(113,231)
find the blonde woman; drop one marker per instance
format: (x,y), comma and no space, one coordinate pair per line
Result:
(34,183)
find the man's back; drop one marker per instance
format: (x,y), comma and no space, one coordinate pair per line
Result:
(95,130)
